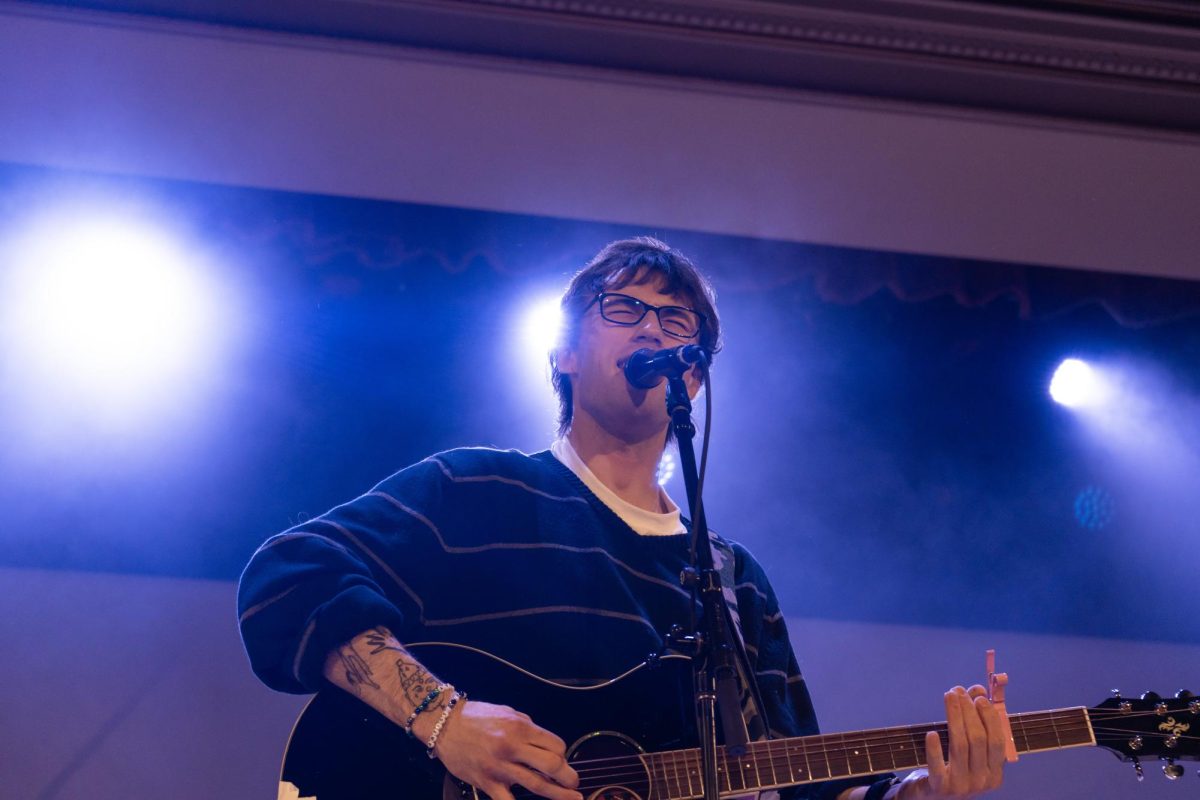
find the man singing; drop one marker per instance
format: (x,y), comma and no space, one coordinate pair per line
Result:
(565,562)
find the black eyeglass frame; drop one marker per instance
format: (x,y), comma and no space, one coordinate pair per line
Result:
(647,308)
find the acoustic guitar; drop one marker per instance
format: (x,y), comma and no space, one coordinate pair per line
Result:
(340,749)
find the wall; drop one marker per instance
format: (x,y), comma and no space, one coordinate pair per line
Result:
(111,93)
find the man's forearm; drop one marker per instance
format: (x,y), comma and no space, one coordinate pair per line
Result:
(376,668)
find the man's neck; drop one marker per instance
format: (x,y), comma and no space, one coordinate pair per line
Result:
(629,469)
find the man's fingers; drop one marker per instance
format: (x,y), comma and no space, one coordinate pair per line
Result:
(977,740)
(936,759)
(540,737)
(996,740)
(552,765)
(540,785)
(955,726)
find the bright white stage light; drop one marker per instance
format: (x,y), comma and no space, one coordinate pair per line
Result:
(666,468)
(105,310)
(533,332)
(541,327)
(1075,384)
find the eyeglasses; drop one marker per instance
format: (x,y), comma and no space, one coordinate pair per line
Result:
(621,309)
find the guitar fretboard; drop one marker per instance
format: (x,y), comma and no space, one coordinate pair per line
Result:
(676,774)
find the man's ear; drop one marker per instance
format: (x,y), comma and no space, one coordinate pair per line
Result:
(566,360)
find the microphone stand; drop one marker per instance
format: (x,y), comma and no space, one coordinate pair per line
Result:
(712,646)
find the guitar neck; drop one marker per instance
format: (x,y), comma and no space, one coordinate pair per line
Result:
(675,774)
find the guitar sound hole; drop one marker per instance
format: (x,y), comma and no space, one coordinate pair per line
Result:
(610,767)
(614,793)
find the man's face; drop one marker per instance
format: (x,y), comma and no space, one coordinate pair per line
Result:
(596,368)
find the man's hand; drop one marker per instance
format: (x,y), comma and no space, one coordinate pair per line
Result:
(490,747)
(976,763)
(494,747)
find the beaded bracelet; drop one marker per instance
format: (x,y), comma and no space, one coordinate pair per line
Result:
(437,728)
(423,706)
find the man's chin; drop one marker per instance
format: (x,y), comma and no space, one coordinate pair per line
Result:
(634,429)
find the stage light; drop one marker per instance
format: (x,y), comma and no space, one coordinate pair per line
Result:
(1075,384)
(533,330)
(540,329)
(105,311)
(1094,508)
(666,468)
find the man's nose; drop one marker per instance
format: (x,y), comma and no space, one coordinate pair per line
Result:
(649,330)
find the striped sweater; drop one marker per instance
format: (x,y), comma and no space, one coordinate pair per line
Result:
(503,551)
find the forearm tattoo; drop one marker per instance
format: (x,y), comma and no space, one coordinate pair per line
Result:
(415,681)
(358,672)
(381,639)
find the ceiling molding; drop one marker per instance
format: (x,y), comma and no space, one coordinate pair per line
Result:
(1130,63)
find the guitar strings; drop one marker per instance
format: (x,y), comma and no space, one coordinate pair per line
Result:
(632,767)
(1039,727)
(897,741)
(1032,724)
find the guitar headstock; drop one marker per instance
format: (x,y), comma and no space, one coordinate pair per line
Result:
(1150,727)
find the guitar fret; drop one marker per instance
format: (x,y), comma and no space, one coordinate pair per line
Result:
(753,756)
(1020,739)
(908,754)
(1054,727)
(807,762)
(892,742)
(839,764)
(771,760)
(825,757)
(693,786)
(858,757)
(656,769)
(674,757)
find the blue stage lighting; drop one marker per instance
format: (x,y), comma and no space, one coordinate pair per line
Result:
(540,329)
(105,311)
(1074,384)
(1094,508)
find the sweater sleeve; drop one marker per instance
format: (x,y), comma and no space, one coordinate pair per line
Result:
(789,709)
(316,586)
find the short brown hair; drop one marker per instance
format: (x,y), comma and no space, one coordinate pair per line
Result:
(622,263)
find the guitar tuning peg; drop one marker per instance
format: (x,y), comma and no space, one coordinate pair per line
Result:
(1184,694)
(1116,693)
(1151,697)
(1172,770)
(1137,770)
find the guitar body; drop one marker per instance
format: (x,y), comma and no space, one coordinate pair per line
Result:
(341,749)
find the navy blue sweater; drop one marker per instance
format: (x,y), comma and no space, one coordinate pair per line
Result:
(502,551)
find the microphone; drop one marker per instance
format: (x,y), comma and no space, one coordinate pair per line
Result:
(646,368)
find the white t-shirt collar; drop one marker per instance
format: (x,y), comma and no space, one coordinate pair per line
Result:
(647,523)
